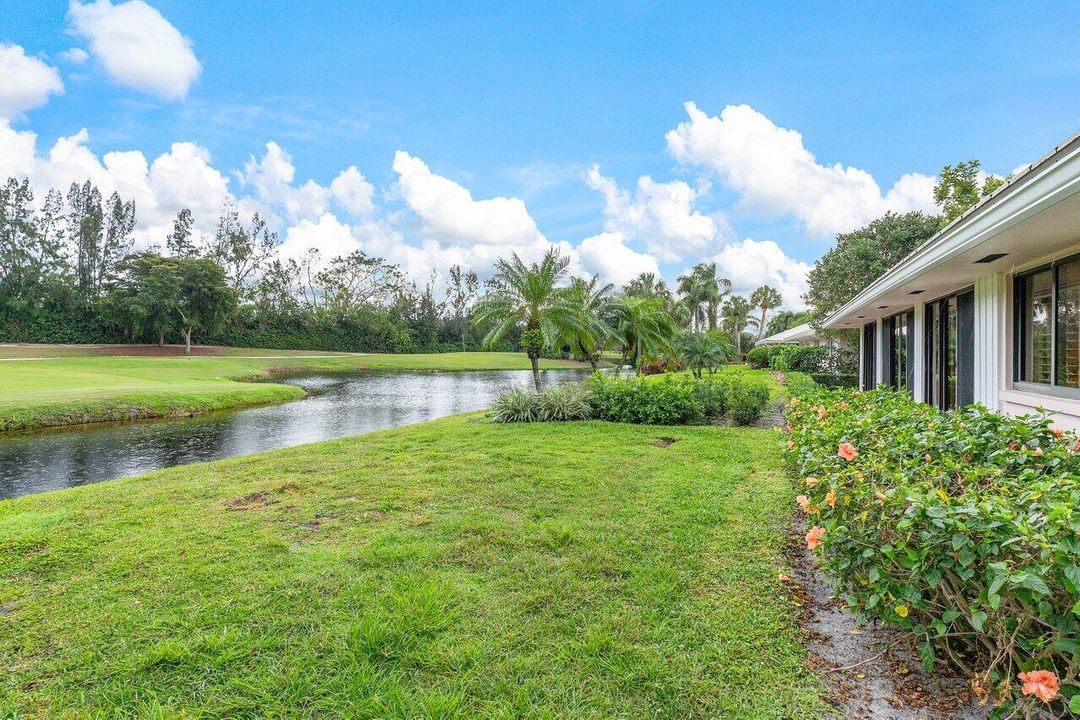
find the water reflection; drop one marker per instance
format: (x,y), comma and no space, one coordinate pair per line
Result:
(336,406)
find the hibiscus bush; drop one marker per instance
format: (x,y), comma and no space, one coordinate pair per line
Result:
(961,527)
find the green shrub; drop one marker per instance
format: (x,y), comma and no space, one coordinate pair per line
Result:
(814,359)
(761,357)
(836,380)
(713,398)
(746,401)
(665,401)
(960,527)
(800,384)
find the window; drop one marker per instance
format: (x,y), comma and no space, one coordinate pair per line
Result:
(900,348)
(1035,295)
(950,351)
(869,355)
(1047,349)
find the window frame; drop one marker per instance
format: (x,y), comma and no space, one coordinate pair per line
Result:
(1019,328)
(936,350)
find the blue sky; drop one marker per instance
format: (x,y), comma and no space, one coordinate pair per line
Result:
(521,100)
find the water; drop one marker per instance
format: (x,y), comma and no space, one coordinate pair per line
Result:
(336,406)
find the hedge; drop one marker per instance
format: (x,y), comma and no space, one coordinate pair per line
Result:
(962,528)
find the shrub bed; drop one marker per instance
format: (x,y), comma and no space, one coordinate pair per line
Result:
(761,357)
(662,401)
(961,527)
(836,380)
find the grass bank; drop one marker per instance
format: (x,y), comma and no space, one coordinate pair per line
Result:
(72,390)
(453,569)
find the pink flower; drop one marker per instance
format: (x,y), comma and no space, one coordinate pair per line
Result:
(1037,451)
(1058,432)
(822,412)
(815,536)
(847,451)
(1043,684)
(804,503)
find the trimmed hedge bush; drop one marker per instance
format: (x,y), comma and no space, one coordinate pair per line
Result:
(814,359)
(761,357)
(660,401)
(960,527)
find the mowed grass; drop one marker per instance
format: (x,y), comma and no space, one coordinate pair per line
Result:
(64,391)
(453,569)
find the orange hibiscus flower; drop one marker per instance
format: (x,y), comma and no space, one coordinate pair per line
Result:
(815,536)
(847,451)
(1043,684)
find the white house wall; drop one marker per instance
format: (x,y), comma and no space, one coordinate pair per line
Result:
(990,340)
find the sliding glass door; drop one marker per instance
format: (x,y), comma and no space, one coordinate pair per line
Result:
(950,351)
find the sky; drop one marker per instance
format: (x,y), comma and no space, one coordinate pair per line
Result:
(634,136)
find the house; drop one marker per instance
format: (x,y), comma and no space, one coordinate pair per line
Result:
(798,335)
(988,310)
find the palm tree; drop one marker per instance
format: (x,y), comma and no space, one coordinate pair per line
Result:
(647,285)
(529,296)
(736,318)
(590,300)
(703,292)
(767,298)
(641,325)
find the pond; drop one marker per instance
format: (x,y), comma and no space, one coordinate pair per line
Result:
(336,405)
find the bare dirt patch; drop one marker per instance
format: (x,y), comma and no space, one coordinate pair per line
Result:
(252,501)
(663,442)
(871,671)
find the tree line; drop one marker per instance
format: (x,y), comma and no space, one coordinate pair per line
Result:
(69,272)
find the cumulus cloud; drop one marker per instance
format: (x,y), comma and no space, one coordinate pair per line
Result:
(271,178)
(137,46)
(749,264)
(28,82)
(661,215)
(353,192)
(774,173)
(181,177)
(607,255)
(449,214)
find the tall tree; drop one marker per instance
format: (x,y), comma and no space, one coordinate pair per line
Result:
(179,242)
(647,284)
(86,222)
(736,317)
(116,239)
(241,251)
(766,298)
(351,281)
(530,297)
(862,256)
(702,293)
(205,301)
(787,319)
(461,294)
(958,188)
(145,297)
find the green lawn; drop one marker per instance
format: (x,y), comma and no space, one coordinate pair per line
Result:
(444,570)
(38,393)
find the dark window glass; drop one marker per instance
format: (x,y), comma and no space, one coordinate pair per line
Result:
(1036,302)
(933,341)
(899,351)
(950,356)
(1067,318)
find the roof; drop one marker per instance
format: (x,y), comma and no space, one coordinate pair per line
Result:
(791,335)
(1006,220)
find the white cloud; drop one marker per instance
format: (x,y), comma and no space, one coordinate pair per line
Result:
(774,173)
(139,48)
(662,215)
(27,81)
(328,235)
(271,177)
(353,192)
(606,254)
(749,264)
(182,177)
(449,214)
(75,55)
